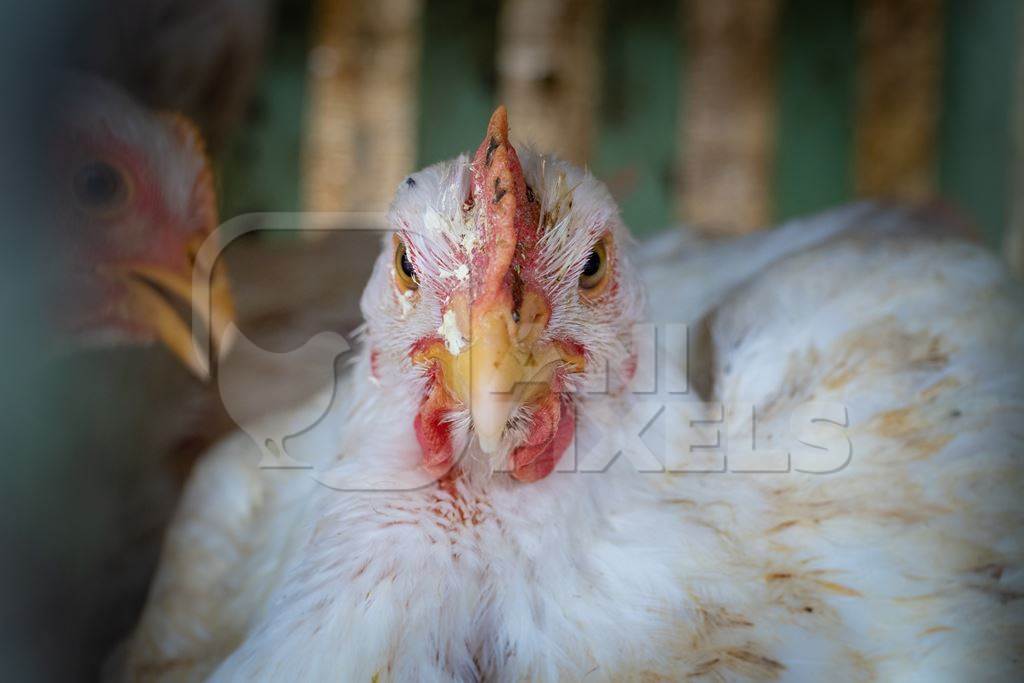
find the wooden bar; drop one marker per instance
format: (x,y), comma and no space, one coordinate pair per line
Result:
(361,124)
(899,80)
(728,111)
(548,73)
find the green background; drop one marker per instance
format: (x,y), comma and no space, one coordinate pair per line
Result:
(644,67)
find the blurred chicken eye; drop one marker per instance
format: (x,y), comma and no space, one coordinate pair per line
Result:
(595,268)
(405,275)
(99,186)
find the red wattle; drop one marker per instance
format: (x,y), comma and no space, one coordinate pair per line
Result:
(553,425)
(434,433)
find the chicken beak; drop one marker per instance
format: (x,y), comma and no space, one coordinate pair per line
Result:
(507,365)
(161,299)
(496,368)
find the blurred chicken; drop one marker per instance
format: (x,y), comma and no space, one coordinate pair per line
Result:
(132,206)
(487,499)
(135,195)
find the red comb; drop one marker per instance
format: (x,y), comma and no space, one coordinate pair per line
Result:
(508,213)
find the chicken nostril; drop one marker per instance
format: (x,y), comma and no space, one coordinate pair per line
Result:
(515,316)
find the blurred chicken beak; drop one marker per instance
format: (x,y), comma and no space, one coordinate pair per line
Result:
(164,301)
(505,366)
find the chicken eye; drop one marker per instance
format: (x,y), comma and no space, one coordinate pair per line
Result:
(595,269)
(405,275)
(100,187)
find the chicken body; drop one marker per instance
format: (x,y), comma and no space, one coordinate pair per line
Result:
(873,532)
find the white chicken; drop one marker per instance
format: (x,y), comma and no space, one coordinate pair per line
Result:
(478,508)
